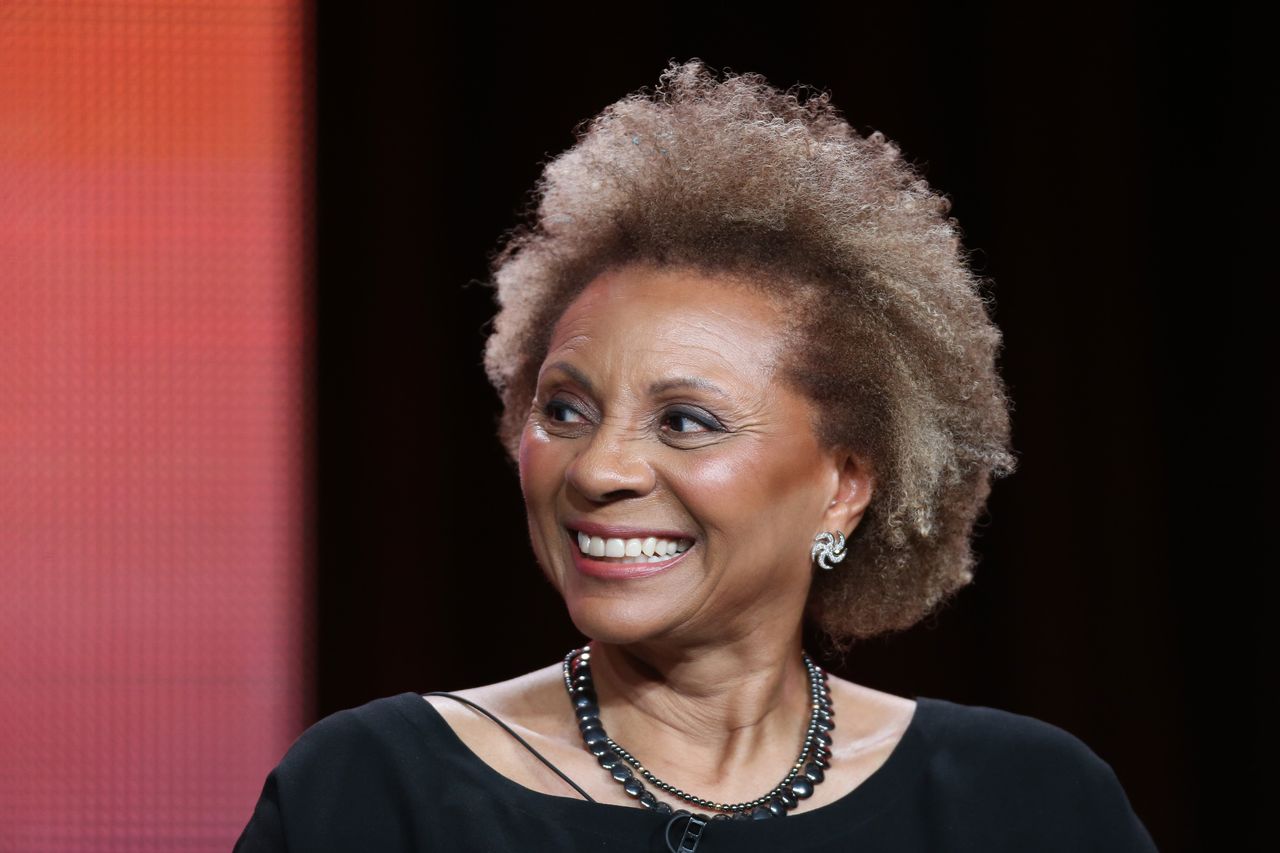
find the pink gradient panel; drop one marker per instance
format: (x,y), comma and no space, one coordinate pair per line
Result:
(153,612)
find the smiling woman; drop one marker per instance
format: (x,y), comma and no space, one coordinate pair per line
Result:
(657,416)
(748,380)
(880,323)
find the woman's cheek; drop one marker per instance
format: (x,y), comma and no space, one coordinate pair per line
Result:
(532,456)
(715,477)
(536,466)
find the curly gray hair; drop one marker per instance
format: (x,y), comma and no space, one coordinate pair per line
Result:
(896,348)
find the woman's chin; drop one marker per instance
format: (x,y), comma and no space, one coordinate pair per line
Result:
(619,622)
(617,602)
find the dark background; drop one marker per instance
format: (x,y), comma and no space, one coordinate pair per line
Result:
(1104,165)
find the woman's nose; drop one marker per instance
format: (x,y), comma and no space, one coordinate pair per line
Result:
(611,465)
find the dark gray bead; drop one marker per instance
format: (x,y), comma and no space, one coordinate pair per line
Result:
(801,787)
(609,760)
(600,749)
(662,808)
(823,738)
(648,800)
(585,703)
(633,788)
(622,772)
(813,773)
(776,808)
(761,813)
(589,721)
(594,736)
(788,799)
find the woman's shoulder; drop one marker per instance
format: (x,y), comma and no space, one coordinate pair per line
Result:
(1024,761)
(342,783)
(997,733)
(969,743)
(363,733)
(987,759)
(533,704)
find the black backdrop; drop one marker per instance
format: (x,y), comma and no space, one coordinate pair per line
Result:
(1100,164)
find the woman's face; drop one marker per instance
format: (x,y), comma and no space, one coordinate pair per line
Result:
(659,415)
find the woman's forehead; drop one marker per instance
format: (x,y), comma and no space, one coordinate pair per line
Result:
(655,299)
(645,319)
(642,283)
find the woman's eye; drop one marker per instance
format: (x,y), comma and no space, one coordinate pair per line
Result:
(683,423)
(687,423)
(562,412)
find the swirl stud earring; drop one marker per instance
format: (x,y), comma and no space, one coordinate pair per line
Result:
(828,548)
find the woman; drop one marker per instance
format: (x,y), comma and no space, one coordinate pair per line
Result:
(748,379)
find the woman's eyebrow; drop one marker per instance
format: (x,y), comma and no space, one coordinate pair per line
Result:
(686,382)
(574,373)
(656,388)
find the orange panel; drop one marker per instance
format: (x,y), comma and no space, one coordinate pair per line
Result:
(153,418)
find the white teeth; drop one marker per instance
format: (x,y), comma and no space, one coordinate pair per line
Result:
(649,549)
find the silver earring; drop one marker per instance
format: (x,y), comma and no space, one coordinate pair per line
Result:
(828,548)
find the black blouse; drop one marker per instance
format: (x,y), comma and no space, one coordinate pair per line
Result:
(392,775)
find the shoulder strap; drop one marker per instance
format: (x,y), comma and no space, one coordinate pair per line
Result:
(693,829)
(523,742)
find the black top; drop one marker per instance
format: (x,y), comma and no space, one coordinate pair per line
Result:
(393,775)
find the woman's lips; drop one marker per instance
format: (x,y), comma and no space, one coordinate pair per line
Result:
(609,570)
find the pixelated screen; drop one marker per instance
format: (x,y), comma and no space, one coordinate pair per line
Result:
(153,182)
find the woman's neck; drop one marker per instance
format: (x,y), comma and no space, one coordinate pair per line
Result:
(711,716)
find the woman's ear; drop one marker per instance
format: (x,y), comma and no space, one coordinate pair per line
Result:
(852,486)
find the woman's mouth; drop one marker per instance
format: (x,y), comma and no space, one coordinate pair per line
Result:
(617,557)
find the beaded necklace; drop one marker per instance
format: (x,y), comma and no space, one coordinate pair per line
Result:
(797,785)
